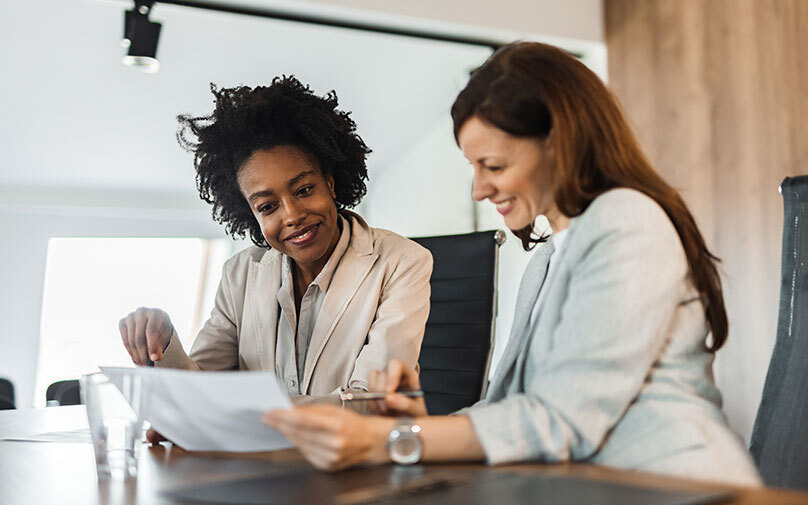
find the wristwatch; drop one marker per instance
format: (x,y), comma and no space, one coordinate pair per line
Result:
(404,445)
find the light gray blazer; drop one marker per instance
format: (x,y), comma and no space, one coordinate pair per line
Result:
(375,309)
(614,370)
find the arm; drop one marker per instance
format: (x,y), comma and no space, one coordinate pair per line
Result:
(332,438)
(622,292)
(620,300)
(400,320)
(216,345)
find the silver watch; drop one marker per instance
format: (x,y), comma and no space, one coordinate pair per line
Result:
(404,444)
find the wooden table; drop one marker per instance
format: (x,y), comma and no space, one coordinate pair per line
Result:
(64,473)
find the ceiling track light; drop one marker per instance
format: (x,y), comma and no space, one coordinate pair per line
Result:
(140,36)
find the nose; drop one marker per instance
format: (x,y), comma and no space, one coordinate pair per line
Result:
(481,187)
(293,212)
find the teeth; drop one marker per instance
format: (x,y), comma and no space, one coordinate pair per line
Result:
(503,205)
(303,237)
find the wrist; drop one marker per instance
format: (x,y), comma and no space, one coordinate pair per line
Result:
(380,429)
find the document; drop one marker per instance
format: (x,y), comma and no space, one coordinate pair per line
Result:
(209,411)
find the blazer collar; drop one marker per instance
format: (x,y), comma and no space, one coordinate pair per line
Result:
(532,280)
(355,265)
(265,280)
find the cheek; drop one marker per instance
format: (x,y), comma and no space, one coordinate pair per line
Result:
(269,227)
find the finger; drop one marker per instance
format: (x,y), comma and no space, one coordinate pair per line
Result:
(401,405)
(323,451)
(378,407)
(407,377)
(132,337)
(155,337)
(125,336)
(140,336)
(395,371)
(373,381)
(154,438)
(304,418)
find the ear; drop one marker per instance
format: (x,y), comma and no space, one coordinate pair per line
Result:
(329,179)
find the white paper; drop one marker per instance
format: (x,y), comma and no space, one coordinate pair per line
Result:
(210,411)
(80,436)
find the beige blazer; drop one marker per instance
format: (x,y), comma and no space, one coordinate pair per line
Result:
(375,309)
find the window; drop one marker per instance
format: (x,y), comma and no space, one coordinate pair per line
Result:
(90,283)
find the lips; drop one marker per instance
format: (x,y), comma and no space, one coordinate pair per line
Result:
(504,207)
(303,236)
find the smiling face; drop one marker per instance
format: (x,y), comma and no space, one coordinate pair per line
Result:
(511,172)
(293,203)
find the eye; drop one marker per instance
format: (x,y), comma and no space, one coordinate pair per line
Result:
(493,168)
(305,190)
(267,208)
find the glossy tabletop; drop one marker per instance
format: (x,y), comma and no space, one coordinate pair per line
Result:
(64,472)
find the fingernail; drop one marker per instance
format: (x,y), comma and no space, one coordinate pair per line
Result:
(154,357)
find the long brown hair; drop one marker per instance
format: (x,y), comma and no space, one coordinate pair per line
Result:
(535,90)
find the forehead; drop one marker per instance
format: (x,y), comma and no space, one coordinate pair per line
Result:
(275,166)
(478,138)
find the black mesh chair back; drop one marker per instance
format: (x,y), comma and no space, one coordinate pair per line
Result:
(456,351)
(64,392)
(6,395)
(780,436)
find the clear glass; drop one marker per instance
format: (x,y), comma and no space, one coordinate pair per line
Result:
(113,412)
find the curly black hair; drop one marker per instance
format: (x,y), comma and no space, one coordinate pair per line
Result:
(246,120)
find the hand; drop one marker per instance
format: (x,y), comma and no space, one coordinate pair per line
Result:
(397,376)
(145,334)
(332,438)
(155,438)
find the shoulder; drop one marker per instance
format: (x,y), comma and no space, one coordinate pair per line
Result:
(627,210)
(390,246)
(625,223)
(240,262)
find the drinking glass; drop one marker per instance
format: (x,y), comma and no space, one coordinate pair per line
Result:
(113,412)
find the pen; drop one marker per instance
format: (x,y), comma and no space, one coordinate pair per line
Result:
(350,395)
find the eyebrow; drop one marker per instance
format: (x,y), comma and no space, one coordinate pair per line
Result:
(291,182)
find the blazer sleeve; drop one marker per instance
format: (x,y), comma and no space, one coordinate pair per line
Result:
(398,327)
(216,344)
(627,274)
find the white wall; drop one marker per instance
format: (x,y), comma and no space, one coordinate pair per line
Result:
(88,144)
(26,228)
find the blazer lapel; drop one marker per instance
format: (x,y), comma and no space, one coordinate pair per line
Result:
(351,271)
(529,288)
(263,283)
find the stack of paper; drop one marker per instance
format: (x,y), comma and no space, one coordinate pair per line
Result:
(210,411)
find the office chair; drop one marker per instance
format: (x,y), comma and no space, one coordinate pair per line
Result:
(456,351)
(780,436)
(6,395)
(64,392)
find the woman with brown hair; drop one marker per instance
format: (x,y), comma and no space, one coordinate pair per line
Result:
(619,313)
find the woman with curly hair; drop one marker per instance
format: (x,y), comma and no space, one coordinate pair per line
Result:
(619,312)
(321,298)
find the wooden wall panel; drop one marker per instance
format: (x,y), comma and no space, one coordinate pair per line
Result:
(718,93)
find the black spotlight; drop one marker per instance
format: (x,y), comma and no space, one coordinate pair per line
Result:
(141,35)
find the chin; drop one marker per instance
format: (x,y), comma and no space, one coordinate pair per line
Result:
(517,224)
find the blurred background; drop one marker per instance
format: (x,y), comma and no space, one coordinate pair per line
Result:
(98,208)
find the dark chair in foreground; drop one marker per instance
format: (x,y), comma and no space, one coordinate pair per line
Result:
(459,334)
(780,437)
(6,395)
(64,392)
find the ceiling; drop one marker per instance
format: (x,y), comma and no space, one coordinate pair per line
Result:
(72,116)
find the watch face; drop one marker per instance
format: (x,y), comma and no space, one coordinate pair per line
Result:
(405,446)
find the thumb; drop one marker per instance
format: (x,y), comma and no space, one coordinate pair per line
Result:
(156,338)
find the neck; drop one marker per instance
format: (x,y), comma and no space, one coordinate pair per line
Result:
(305,273)
(558,221)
